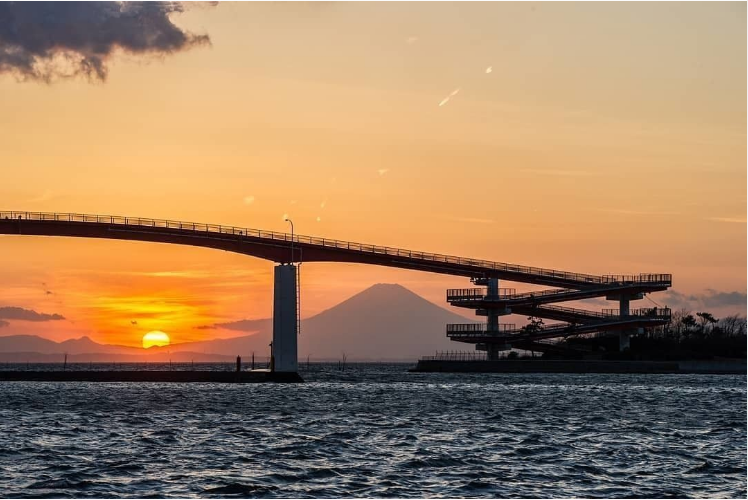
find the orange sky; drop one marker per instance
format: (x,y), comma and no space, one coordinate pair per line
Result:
(606,138)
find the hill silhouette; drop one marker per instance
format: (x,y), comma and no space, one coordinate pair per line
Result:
(383,322)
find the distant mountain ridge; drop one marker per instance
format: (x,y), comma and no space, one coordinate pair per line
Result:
(33,343)
(383,322)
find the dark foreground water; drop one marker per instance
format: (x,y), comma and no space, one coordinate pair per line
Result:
(375,430)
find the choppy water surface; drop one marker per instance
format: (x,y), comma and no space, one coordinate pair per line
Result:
(376,430)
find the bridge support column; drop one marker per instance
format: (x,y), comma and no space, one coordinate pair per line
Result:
(492,314)
(492,284)
(624,337)
(492,352)
(284,319)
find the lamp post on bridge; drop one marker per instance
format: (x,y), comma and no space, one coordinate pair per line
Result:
(288,219)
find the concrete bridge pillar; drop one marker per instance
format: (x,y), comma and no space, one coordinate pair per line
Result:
(284,354)
(493,315)
(493,286)
(492,322)
(492,352)
(624,337)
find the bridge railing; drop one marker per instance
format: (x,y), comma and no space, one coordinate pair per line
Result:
(643,312)
(479,327)
(477,293)
(480,265)
(472,331)
(482,294)
(651,312)
(456,356)
(554,328)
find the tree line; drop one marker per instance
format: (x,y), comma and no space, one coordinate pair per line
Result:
(685,324)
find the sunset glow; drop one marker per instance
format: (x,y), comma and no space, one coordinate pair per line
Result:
(155,338)
(618,156)
(373,249)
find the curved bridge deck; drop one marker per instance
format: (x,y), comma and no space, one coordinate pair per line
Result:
(277,247)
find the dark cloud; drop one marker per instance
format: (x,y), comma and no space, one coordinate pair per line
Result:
(711,298)
(18,313)
(3,323)
(133,322)
(242,325)
(714,298)
(675,299)
(49,40)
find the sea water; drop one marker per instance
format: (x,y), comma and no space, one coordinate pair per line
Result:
(375,430)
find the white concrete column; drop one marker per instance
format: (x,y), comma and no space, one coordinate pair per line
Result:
(284,319)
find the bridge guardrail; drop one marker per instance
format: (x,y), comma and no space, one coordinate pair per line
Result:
(311,240)
(644,312)
(479,327)
(511,332)
(653,312)
(482,294)
(553,329)
(477,293)
(456,356)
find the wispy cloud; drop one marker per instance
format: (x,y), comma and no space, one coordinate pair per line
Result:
(383,171)
(451,95)
(734,220)
(559,172)
(624,211)
(411,40)
(471,220)
(46,195)
(248,200)
(223,274)
(489,70)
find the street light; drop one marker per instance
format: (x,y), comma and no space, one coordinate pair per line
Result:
(287,219)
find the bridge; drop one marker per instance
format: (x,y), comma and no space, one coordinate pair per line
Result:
(289,249)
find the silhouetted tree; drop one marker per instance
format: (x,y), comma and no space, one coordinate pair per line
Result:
(676,326)
(732,326)
(689,323)
(535,325)
(705,319)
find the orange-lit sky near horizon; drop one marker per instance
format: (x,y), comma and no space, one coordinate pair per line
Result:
(605,138)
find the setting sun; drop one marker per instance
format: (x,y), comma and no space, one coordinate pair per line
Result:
(155,338)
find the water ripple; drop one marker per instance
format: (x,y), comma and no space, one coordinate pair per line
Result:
(377,431)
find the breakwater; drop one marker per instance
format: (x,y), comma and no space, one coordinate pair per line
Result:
(582,366)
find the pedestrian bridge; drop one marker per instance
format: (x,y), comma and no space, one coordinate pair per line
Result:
(287,249)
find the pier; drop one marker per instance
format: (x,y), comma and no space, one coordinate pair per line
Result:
(487,299)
